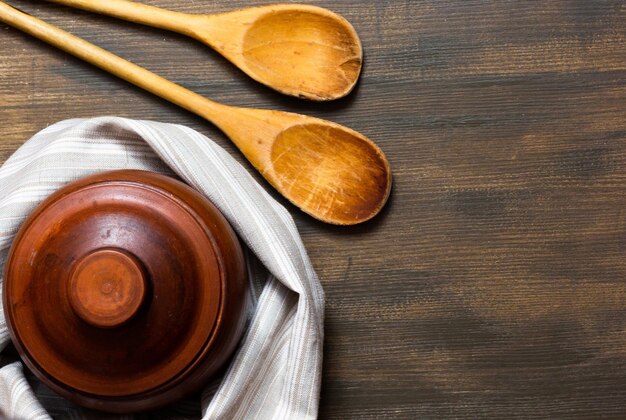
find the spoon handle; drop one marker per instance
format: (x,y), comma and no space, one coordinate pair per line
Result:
(135,12)
(110,62)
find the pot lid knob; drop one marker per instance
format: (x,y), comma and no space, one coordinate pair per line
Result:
(107,287)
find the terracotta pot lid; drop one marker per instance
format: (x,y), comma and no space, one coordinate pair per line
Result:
(113,286)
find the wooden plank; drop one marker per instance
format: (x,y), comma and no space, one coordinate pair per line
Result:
(493,283)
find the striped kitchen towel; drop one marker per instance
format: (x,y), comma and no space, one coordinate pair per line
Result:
(276,372)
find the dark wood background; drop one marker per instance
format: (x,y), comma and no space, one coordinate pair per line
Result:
(493,284)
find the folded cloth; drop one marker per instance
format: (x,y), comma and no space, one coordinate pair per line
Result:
(276,371)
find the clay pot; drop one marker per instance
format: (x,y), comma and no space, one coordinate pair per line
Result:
(125,291)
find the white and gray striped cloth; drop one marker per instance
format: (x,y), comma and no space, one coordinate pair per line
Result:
(276,372)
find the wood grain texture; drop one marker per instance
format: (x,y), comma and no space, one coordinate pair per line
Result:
(492,285)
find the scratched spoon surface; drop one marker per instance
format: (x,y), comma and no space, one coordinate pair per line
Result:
(329,171)
(299,50)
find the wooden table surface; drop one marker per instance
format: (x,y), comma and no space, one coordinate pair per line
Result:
(494,282)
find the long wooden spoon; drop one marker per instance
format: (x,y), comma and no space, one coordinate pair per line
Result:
(331,172)
(299,50)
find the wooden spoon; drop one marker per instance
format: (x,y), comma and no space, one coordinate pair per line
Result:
(329,171)
(299,50)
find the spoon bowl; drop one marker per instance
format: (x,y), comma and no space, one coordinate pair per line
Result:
(346,183)
(329,171)
(306,52)
(299,50)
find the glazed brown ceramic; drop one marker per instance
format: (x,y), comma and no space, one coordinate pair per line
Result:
(125,291)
